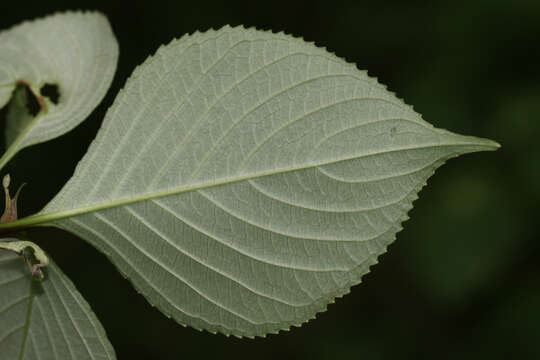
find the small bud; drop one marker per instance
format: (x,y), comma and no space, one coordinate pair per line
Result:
(6,180)
(10,210)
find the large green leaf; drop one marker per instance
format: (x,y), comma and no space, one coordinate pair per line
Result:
(243,179)
(47,319)
(77,52)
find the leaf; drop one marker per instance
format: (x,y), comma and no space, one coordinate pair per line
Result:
(243,180)
(75,51)
(47,319)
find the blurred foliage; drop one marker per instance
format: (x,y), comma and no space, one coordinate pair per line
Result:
(463,279)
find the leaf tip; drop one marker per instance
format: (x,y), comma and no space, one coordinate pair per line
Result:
(492,145)
(482,144)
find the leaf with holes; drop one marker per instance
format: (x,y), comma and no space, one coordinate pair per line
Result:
(47,319)
(65,64)
(243,179)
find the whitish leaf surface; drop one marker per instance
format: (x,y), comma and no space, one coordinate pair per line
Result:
(48,319)
(77,52)
(243,179)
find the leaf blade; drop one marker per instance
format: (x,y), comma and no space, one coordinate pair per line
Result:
(76,51)
(255,180)
(48,319)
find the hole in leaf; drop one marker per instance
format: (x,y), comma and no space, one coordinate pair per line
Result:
(22,106)
(3,115)
(51,91)
(32,103)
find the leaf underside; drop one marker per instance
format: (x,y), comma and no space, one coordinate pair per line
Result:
(74,51)
(47,319)
(243,180)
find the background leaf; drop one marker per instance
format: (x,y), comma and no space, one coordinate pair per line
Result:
(77,52)
(47,319)
(245,179)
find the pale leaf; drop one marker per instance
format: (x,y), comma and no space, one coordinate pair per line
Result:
(75,51)
(243,179)
(46,319)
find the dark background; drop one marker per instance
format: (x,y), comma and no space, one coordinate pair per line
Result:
(463,279)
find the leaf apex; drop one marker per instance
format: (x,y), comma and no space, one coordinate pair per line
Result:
(490,145)
(469,143)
